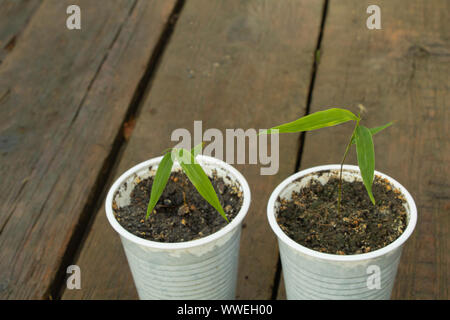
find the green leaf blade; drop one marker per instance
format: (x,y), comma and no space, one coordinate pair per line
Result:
(159,182)
(376,130)
(366,157)
(199,179)
(316,120)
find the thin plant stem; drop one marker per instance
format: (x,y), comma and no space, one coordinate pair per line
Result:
(342,167)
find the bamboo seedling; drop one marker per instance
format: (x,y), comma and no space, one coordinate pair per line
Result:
(193,171)
(361,137)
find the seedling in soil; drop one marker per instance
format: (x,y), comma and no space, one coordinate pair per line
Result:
(193,171)
(361,136)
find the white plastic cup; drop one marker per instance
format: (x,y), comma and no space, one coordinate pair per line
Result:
(309,274)
(205,268)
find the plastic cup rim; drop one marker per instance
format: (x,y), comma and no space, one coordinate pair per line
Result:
(335,257)
(234,174)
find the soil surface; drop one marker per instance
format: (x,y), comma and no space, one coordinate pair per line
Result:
(181,213)
(311,218)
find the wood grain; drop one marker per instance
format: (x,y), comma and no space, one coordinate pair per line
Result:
(231,64)
(14,17)
(66,97)
(401,74)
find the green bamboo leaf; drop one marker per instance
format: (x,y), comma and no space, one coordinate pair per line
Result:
(199,179)
(366,157)
(376,130)
(316,120)
(159,182)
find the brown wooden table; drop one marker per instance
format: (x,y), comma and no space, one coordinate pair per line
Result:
(79,107)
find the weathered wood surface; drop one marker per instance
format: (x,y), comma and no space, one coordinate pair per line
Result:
(14,17)
(63,98)
(398,73)
(237,64)
(231,64)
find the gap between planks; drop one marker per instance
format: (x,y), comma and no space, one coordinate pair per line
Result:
(247,52)
(277,285)
(76,242)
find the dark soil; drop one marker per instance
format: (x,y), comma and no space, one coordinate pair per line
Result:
(181,213)
(311,218)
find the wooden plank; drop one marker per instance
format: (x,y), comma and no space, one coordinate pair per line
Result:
(398,73)
(14,16)
(281,293)
(67,94)
(231,64)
